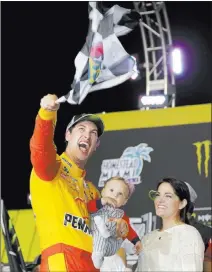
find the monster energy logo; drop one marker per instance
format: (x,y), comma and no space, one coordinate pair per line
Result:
(203,156)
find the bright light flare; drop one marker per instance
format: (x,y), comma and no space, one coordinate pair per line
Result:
(153,100)
(176,60)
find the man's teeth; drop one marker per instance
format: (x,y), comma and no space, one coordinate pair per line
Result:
(84,145)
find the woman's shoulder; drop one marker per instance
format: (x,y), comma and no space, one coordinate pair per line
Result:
(186,229)
(189,233)
(190,240)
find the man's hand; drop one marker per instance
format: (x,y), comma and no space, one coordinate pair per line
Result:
(48,102)
(108,200)
(138,247)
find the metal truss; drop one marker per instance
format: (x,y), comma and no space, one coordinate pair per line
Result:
(157,43)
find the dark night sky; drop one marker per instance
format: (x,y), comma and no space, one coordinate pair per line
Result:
(39,43)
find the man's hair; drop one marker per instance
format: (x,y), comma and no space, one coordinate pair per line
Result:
(131,186)
(70,130)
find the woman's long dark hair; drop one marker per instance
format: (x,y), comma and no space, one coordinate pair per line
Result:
(182,191)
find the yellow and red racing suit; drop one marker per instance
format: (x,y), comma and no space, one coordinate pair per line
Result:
(59,195)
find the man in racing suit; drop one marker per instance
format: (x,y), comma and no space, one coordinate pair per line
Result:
(59,191)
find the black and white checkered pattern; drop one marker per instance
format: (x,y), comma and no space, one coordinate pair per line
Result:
(103,62)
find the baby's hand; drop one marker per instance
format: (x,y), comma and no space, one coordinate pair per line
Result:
(122,228)
(110,201)
(138,247)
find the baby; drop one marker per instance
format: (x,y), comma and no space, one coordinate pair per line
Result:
(107,215)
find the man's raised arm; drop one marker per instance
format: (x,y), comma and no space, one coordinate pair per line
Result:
(43,150)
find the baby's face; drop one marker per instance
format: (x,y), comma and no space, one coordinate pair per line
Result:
(117,190)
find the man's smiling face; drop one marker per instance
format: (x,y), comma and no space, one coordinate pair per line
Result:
(82,140)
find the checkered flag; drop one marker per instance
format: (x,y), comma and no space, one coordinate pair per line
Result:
(15,257)
(103,62)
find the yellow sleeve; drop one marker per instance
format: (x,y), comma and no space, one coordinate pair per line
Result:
(47,115)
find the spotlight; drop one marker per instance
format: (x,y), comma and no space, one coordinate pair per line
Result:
(176,61)
(153,101)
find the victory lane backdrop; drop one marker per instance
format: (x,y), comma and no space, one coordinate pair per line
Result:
(151,144)
(181,151)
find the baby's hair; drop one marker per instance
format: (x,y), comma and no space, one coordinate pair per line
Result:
(131,186)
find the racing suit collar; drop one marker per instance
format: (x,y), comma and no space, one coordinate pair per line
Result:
(73,168)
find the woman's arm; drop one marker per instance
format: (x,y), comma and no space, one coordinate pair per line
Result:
(192,252)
